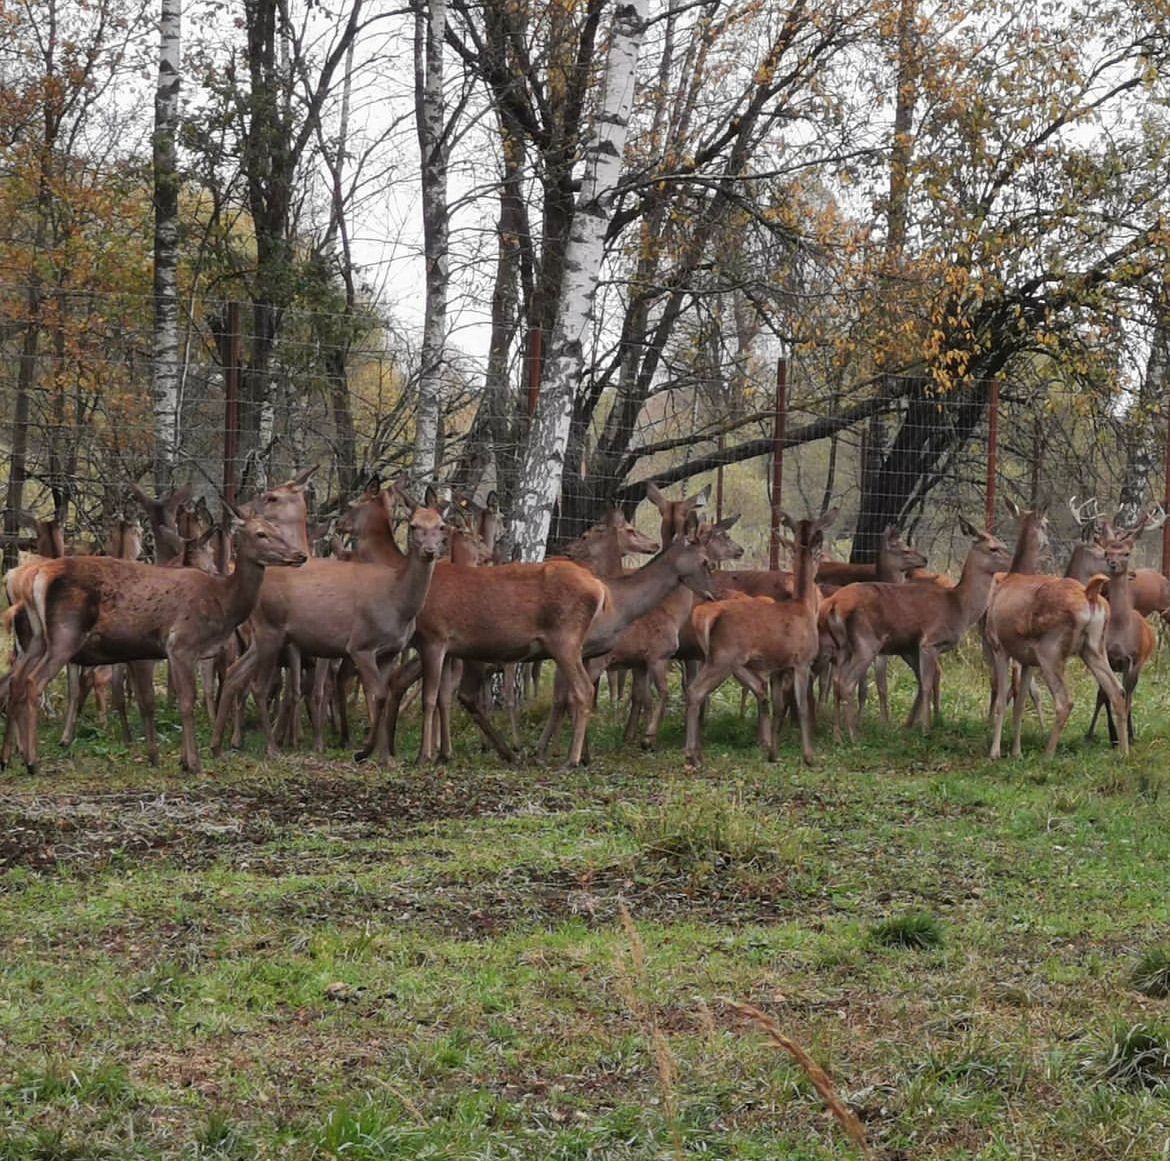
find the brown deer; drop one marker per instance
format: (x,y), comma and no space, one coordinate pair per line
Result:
(675,513)
(595,550)
(896,560)
(98,611)
(1129,639)
(918,621)
(649,645)
(684,562)
(1040,622)
(106,681)
(334,608)
(765,644)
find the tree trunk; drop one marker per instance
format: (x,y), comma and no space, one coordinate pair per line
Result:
(165,367)
(1140,439)
(430,27)
(544,459)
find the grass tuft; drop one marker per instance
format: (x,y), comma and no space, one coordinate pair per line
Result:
(1151,973)
(1134,1057)
(917,931)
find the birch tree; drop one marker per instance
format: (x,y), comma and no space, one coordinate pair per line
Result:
(544,458)
(165,366)
(434,148)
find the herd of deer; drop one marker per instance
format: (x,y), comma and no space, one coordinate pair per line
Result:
(242,613)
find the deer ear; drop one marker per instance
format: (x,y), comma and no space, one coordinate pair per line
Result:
(702,497)
(968,528)
(1012,507)
(302,477)
(788,522)
(431,497)
(492,503)
(399,492)
(691,526)
(657,498)
(826,519)
(728,522)
(241,514)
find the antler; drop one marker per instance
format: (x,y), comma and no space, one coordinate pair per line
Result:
(1086,512)
(1150,520)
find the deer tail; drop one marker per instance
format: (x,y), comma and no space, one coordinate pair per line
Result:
(835,624)
(704,621)
(1093,589)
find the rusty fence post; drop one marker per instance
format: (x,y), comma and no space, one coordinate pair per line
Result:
(992,454)
(233,345)
(778,428)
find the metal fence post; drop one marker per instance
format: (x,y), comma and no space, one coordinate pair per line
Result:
(778,426)
(992,454)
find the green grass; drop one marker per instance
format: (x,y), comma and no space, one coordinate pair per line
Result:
(306,959)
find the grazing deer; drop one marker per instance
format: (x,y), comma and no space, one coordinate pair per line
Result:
(1129,640)
(764,644)
(917,621)
(97,611)
(334,608)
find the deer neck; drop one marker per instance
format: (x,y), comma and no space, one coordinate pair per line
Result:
(639,592)
(973,591)
(1120,597)
(242,587)
(1080,566)
(886,569)
(376,544)
(1026,558)
(412,584)
(804,578)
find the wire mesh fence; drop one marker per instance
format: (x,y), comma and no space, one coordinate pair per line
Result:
(75,400)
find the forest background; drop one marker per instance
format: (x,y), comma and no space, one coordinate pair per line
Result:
(557,250)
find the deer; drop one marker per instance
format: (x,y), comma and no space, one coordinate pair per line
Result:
(685,562)
(100,610)
(595,550)
(917,621)
(1129,639)
(675,513)
(106,681)
(896,561)
(649,645)
(1040,622)
(335,608)
(1149,588)
(765,644)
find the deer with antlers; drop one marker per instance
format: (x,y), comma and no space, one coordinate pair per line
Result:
(767,645)
(99,610)
(1129,639)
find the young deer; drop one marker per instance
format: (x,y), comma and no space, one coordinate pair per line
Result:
(1129,640)
(682,563)
(918,621)
(649,645)
(675,513)
(763,643)
(97,611)
(1040,622)
(334,608)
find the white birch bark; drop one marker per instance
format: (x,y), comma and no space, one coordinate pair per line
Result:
(430,25)
(544,457)
(165,367)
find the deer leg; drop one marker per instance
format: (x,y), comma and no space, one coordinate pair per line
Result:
(1018,703)
(432,676)
(658,675)
(183,673)
(400,681)
(560,704)
(468,694)
(699,688)
(118,698)
(244,671)
(46,665)
(580,697)
(1000,682)
(142,679)
(453,672)
(510,696)
(74,702)
(929,672)
(1053,674)
(849,667)
(1098,665)
(881,679)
